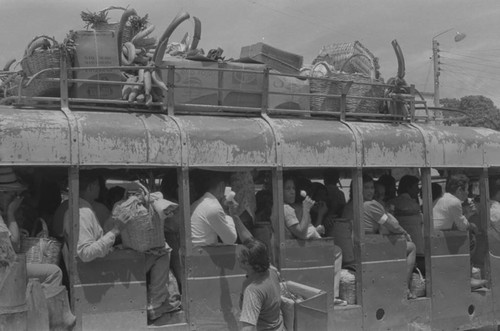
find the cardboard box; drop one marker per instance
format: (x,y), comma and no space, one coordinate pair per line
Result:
(96,49)
(308,313)
(248,86)
(275,58)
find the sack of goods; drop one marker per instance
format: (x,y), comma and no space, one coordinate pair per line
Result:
(144,230)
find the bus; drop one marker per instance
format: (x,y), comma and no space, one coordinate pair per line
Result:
(58,137)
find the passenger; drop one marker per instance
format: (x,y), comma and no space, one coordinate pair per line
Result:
(448,212)
(208,219)
(101,211)
(407,203)
(263,229)
(437,192)
(336,198)
(389,183)
(243,185)
(261,297)
(94,243)
(169,189)
(49,275)
(375,218)
(494,224)
(302,229)
(320,210)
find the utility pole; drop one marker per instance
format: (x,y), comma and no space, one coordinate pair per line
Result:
(435,57)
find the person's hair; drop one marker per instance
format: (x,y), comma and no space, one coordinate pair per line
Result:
(331,177)
(115,194)
(436,191)
(206,180)
(406,182)
(366,179)
(169,186)
(493,188)
(389,183)
(254,252)
(454,182)
(86,178)
(316,189)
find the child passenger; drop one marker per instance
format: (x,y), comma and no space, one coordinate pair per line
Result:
(261,297)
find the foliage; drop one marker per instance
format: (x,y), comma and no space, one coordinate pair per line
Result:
(480,110)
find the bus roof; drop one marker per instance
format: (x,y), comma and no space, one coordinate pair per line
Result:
(96,138)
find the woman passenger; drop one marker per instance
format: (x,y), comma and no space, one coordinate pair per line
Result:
(376,220)
(301,229)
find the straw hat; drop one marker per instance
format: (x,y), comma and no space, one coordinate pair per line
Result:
(9,181)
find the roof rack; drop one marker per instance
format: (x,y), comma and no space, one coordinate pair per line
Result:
(250,100)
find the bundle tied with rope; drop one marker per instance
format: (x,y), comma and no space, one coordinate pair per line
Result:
(326,80)
(144,217)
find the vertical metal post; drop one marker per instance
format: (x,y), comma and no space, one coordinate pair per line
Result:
(220,84)
(74,212)
(63,83)
(185,234)
(412,103)
(343,99)
(358,231)
(265,91)
(485,219)
(428,226)
(278,210)
(170,93)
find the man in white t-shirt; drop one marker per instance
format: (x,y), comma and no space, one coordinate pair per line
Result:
(208,219)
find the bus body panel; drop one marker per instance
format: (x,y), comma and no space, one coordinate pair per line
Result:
(111,286)
(222,141)
(312,263)
(389,145)
(451,290)
(31,136)
(117,138)
(315,143)
(214,287)
(383,282)
(454,146)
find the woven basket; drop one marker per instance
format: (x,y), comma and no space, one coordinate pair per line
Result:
(144,231)
(347,288)
(42,248)
(418,284)
(38,60)
(333,82)
(338,54)
(128,32)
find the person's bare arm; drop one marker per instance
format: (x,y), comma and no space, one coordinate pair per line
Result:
(300,230)
(241,229)
(248,327)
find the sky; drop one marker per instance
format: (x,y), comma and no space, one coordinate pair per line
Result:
(470,67)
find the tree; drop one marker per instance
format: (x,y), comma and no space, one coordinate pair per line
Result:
(480,111)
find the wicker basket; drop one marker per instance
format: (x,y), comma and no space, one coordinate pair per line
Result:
(347,288)
(35,61)
(339,55)
(333,83)
(418,284)
(42,248)
(144,231)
